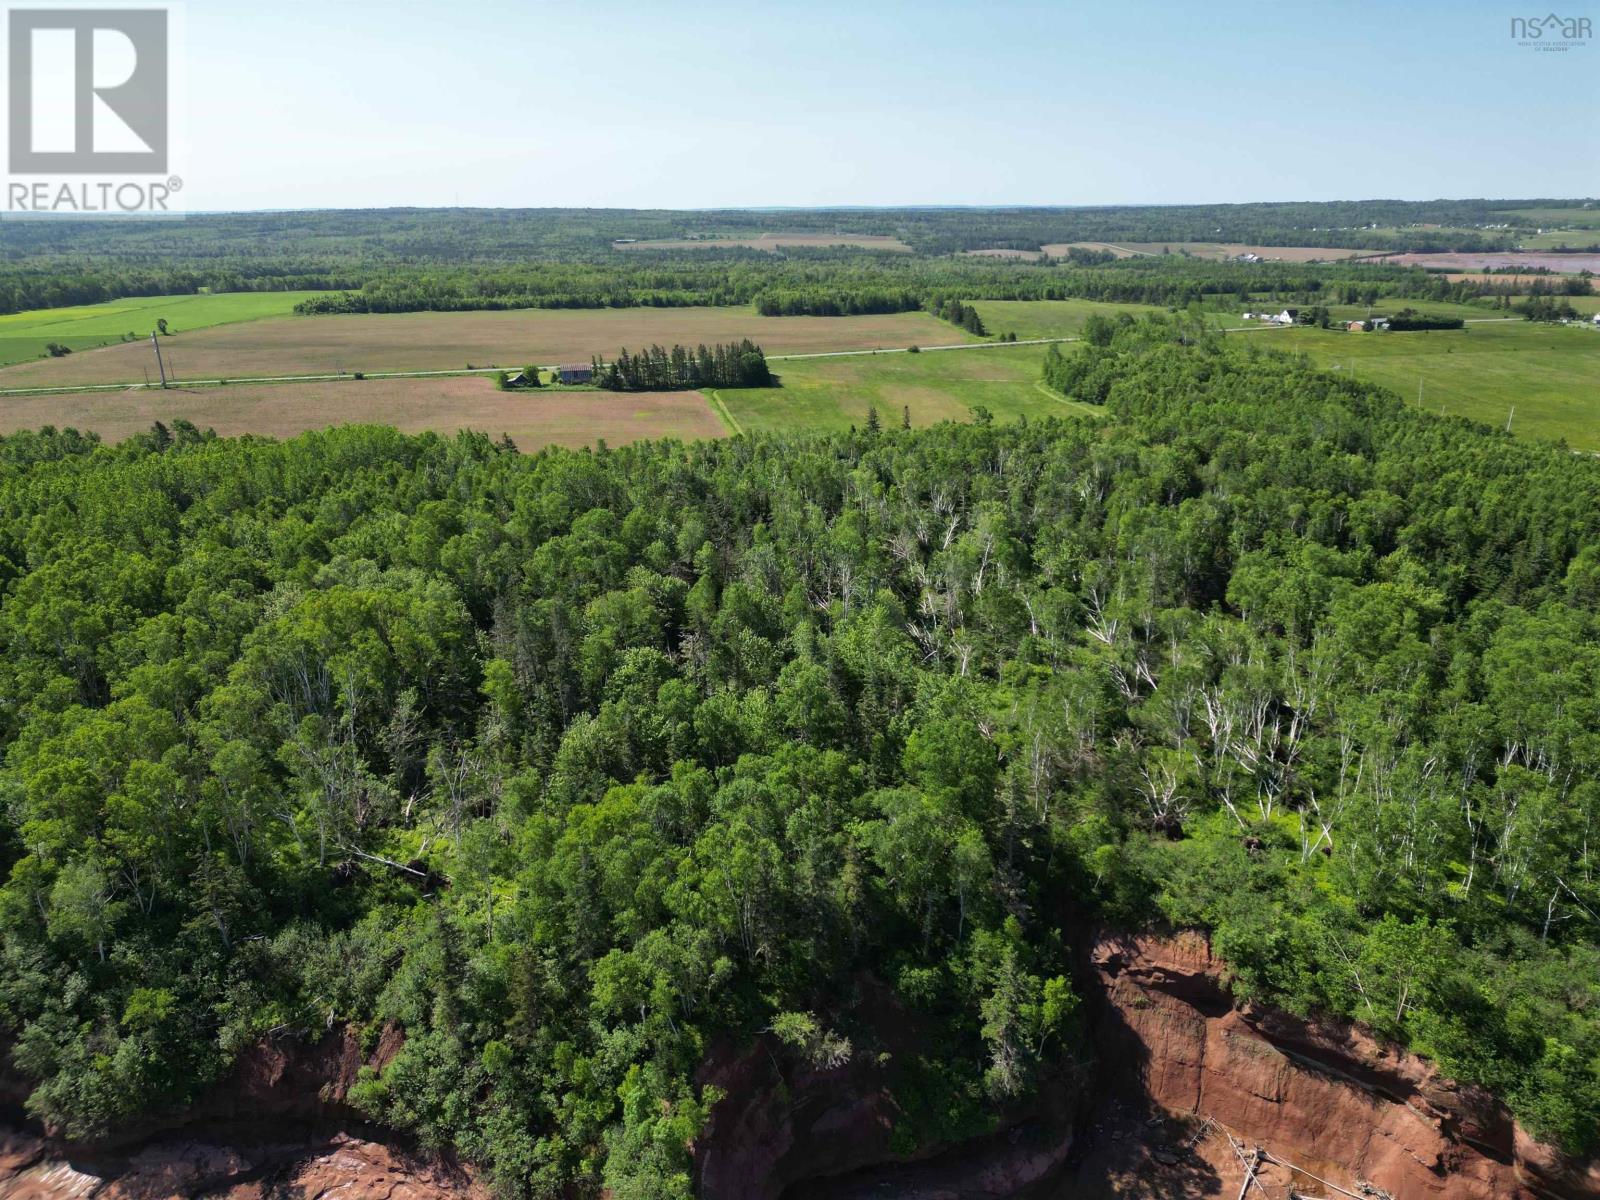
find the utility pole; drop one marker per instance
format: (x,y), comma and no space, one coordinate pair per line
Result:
(154,341)
(1509,415)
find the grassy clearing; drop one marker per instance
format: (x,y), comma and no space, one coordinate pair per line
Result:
(24,335)
(831,394)
(330,345)
(1116,249)
(719,406)
(565,417)
(1549,374)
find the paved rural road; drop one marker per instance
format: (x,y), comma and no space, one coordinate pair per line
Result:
(187,383)
(1114,246)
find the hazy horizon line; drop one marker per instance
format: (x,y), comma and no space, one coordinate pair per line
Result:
(810,208)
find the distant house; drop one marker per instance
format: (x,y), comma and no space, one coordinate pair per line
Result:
(1286,317)
(520,379)
(575,372)
(1597,318)
(1356,326)
(1249,317)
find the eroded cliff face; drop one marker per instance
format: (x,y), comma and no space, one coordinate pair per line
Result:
(301,1168)
(1182,1078)
(1335,1102)
(277,1128)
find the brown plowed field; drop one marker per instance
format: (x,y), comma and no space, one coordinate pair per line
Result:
(1532,259)
(532,418)
(326,345)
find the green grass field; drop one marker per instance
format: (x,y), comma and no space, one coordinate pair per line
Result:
(1549,373)
(835,393)
(24,335)
(1554,239)
(1065,318)
(1389,305)
(1572,218)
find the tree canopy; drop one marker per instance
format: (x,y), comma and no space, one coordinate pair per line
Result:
(568,764)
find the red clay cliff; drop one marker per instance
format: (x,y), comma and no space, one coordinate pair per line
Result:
(1186,1088)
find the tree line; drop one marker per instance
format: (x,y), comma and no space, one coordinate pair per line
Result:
(1409,320)
(740,364)
(1548,308)
(825,303)
(962,316)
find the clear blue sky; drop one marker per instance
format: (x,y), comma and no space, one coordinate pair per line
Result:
(652,103)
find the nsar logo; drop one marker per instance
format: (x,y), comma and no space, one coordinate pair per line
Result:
(1551,32)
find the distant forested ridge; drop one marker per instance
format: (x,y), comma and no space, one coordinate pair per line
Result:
(401,260)
(834,283)
(569,765)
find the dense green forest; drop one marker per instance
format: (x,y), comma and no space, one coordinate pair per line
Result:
(408,259)
(569,764)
